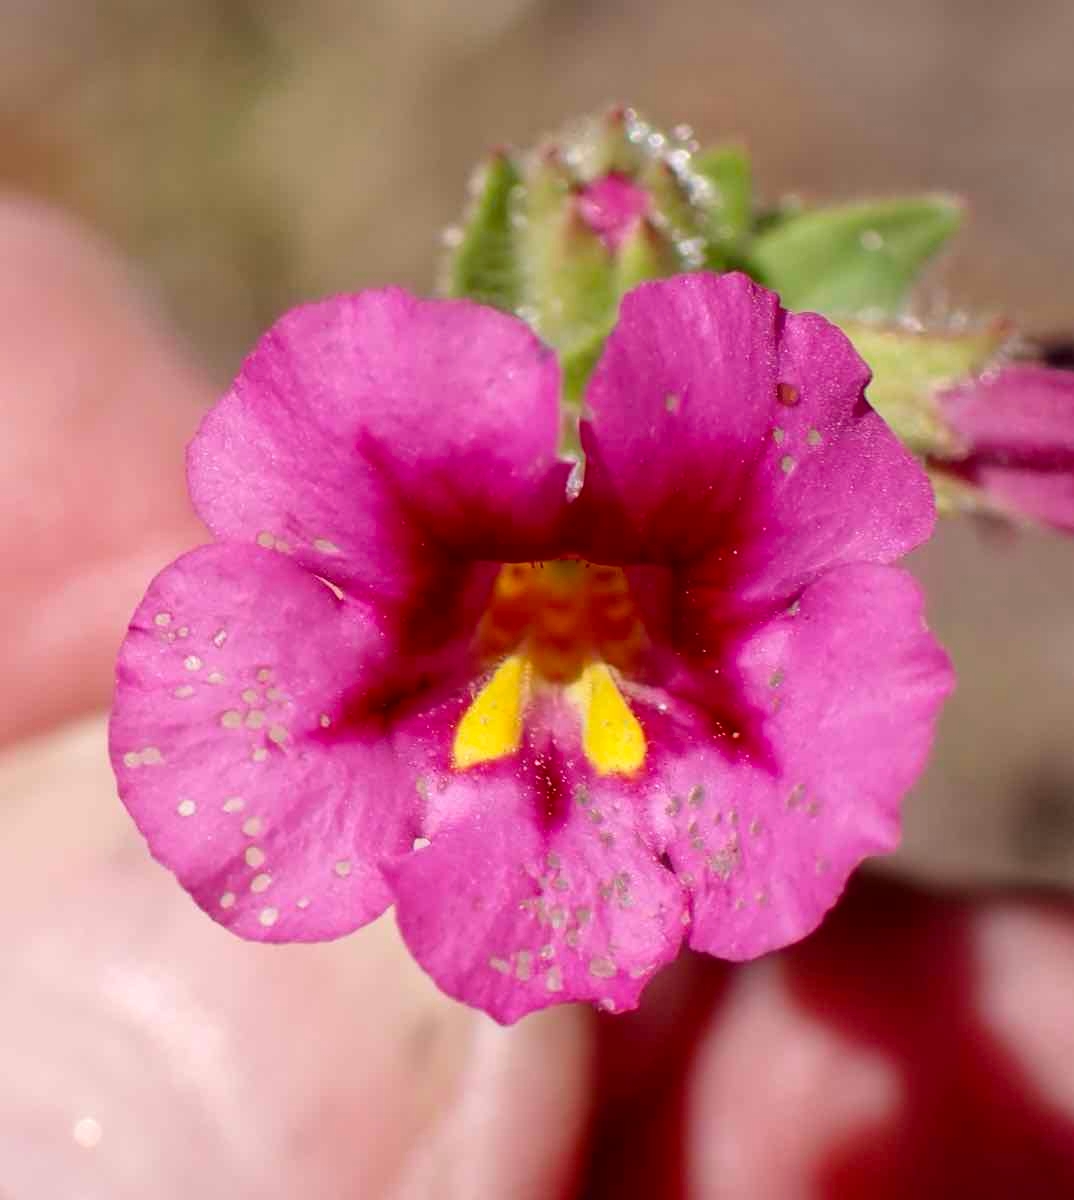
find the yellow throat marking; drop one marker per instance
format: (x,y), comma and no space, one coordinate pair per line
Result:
(612,738)
(491,728)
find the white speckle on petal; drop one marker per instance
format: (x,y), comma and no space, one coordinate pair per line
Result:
(553,981)
(162,619)
(233,804)
(602,967)
(251,696)
(786,464)
(215,677)
(267,916)
(326,720)
(219,637)
(325,546)
(302,902)
(264,675)
(343,868)
(192,663)
(420,843)
(186,808)
(278,734)
(259,883)
(255,718)
(132,759)
(184,692)
(232,719)
(814,438)
(260,754)
(227,900)
(151,757)
(266,540)
(275,694)
(252,826)
(254,856)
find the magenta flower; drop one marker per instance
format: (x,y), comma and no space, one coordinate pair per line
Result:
(1015,427)
(562,731)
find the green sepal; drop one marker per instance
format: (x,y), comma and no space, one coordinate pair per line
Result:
(646,253)
(728,202)
(569,272)
(484,265)
(853,259)
(910,366)
(607,148)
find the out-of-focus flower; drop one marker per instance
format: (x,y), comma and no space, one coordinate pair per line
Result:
(1014,430)
(562,725)
(996,434)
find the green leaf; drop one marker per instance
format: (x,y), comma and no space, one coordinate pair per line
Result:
(729,205)
(484,266)
(854,259)
(909,367)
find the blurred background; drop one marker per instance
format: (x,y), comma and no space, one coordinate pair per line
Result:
(242,156)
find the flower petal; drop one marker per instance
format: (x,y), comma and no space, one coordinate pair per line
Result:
(1018,428)
(376,436)
(845,689)
(771,465)
(231,742)
(512,914)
